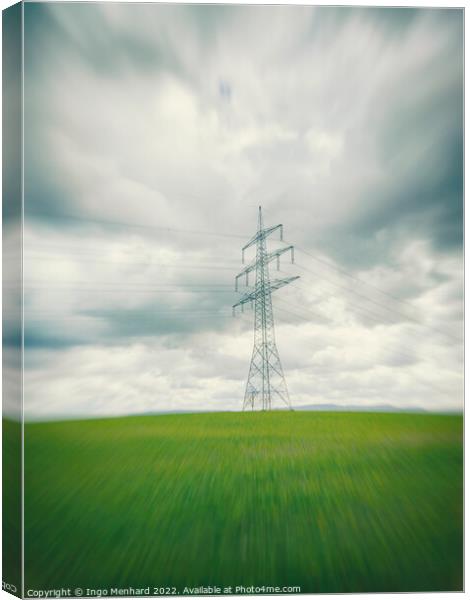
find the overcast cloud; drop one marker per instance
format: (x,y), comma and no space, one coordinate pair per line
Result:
(152,133)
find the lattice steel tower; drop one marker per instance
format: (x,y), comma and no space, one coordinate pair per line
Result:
(266,382)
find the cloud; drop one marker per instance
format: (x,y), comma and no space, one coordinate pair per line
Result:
(153,133)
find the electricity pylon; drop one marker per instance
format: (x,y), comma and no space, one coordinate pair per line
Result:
(266,381)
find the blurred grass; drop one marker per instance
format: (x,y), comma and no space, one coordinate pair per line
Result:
(11,502)
(332,502)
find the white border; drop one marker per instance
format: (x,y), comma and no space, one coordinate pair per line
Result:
(381,3)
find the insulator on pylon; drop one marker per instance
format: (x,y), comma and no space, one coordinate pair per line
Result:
(243,256)
(246,278)
(292,255)
(236,284)
(278,263)
(233,311)
(243,308)
(281,238)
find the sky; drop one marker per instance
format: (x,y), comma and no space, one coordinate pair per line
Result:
(152,134)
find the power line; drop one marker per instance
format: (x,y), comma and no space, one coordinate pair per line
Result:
(322,261)
(377,318)
(53,251)
(207,286)
(132,264)
(216,267)
(403,315)
(79,218)
(347,274)
(126,290)
(403,352)
(366,313)
(402,355)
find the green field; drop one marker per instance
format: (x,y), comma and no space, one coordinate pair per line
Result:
(330,502)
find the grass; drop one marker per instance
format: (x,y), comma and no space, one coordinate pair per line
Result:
(331,502)
(11,503)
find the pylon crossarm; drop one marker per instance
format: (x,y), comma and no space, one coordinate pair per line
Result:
(245,272)
(262,234)
(269,230)
(279,283)
(268,258)
(274,285)
(248,297)
(277,253)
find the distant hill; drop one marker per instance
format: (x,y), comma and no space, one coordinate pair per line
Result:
(389,408)
(360,408)
(386,408)
(368,408)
